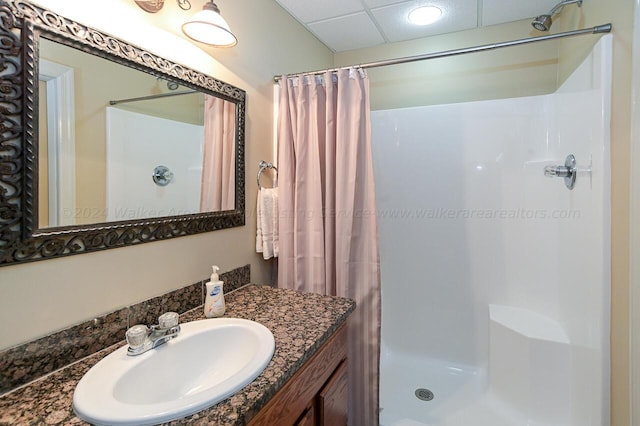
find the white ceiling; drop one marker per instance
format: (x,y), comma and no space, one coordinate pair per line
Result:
(355,24)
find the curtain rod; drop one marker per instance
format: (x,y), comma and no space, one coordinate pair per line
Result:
(147,98)
(599,29)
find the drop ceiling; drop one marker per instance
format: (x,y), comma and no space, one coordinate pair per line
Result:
(355,24)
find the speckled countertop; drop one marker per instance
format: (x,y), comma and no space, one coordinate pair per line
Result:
(300,323)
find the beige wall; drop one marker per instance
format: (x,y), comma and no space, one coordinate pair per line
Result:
(41,297)
(635,224)
(510,72)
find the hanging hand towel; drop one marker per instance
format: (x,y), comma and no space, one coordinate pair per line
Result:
(267,222)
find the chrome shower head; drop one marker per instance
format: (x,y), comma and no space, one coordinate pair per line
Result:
(543,22)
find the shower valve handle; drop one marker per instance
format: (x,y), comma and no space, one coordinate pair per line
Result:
(568,171)
(558,171)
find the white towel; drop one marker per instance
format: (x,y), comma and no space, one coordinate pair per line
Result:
(267,223)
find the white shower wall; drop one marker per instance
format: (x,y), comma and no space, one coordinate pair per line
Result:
(467,220)
(136,144)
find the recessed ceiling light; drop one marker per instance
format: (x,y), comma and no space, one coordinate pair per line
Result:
(424,15)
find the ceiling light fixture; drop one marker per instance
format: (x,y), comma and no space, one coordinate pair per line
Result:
(206,26)
(153,6)
(424,15)
(209,27)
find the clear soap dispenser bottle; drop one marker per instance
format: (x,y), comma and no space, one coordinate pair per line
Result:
(214,305)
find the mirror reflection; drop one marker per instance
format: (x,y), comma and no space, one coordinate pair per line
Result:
(119,144)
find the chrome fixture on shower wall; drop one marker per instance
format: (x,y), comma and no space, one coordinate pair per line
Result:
(568,171)
(543,22)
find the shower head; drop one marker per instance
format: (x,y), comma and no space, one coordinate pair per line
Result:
(543,22)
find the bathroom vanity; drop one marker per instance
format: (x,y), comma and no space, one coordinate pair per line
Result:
(317,394)
(304,384)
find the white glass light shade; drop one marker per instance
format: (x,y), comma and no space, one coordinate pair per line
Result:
(424,15)
(209,27)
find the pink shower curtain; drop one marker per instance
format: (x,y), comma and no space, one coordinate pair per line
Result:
(218,163)
(328,226)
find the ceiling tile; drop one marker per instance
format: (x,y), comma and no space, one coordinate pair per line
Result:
(457,15)
(352,24)
(308,11)
(501,11)
(378,3)
(347,32)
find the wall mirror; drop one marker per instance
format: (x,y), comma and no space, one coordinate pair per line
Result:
(104,144)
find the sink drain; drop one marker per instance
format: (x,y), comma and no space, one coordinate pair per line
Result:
(424,394)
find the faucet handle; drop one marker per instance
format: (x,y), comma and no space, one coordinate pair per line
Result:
(137,335)
(168,320)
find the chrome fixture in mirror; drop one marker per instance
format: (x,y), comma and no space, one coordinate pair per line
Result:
(26,29)
(162,176)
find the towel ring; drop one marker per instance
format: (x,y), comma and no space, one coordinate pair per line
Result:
(264,165)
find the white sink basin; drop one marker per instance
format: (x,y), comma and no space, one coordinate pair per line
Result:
(207,362)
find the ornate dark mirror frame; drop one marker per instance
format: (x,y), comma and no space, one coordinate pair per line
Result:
(22,23)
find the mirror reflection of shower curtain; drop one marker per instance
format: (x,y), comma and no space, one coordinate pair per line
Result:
(218,164)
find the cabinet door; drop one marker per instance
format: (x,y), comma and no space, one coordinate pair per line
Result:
(333,398)
(308,418)
(292,401)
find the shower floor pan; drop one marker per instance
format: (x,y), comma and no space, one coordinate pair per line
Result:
(461,395)
(529,382)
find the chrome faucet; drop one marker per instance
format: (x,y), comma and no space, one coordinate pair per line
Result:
(142,338)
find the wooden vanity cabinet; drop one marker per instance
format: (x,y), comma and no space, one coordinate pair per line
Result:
(333,398)
(317,394)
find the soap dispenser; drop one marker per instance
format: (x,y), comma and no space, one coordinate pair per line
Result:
(214,305)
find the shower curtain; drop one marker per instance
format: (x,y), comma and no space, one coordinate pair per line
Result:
(328,223)
(218,163)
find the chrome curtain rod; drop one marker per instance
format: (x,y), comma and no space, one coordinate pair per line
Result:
(147,98)
(599,29)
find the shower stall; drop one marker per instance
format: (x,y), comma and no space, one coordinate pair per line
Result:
(495,277)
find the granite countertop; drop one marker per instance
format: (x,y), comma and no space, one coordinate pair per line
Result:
(300,323)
